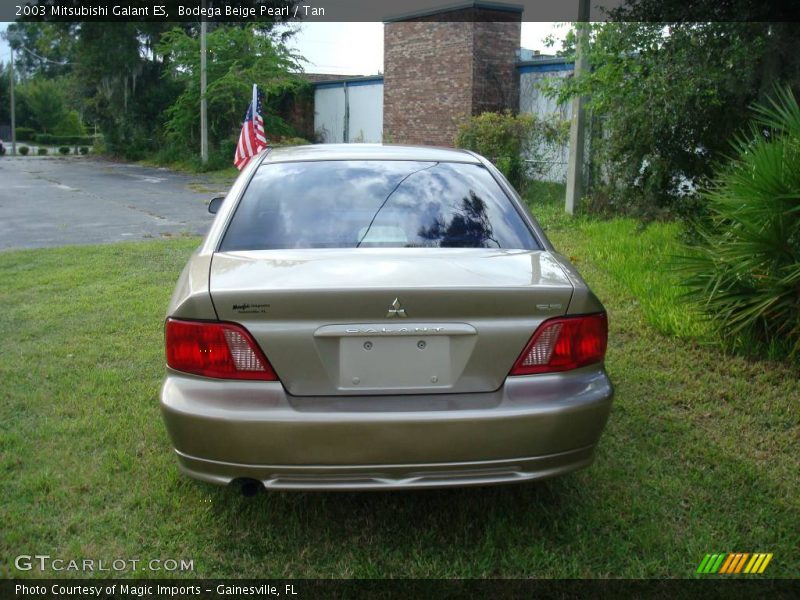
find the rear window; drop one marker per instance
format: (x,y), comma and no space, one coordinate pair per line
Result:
(367,204)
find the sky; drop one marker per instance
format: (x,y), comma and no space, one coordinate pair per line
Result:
(357,48)
(4,56)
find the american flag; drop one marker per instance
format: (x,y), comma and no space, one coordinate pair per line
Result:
(252,140)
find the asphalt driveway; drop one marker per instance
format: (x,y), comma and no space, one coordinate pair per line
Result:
(59,201)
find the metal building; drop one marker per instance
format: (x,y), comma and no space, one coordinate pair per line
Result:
(531,100)
(349,110)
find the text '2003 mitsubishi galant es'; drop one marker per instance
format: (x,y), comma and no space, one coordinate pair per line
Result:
(380,317)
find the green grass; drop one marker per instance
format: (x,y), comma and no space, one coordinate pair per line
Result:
(700,454)
(639,258)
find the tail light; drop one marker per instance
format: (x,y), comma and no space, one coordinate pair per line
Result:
(564,343)
(211,349)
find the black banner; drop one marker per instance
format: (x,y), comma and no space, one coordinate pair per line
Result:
(388,10)
(305,589)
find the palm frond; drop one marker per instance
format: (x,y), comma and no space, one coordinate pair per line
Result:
(744,268)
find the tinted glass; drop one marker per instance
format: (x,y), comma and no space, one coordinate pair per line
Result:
(394,204)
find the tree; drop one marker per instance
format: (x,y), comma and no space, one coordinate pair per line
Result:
(666,100)
(44,102)
(98,67)
(123,89)
(237,58)
(70,124)
(114,76)
(42,49)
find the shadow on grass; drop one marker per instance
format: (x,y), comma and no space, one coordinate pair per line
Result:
(408,531)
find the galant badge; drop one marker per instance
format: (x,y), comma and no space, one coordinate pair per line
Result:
(395,310)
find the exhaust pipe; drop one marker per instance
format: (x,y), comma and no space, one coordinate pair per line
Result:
(249,487)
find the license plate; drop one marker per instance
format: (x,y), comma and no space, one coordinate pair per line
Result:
(406,362)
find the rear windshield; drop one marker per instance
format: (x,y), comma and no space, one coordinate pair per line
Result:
(378,203)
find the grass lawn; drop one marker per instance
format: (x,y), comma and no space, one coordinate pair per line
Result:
(701,453)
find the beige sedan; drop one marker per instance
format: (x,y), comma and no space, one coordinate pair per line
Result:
(380,317)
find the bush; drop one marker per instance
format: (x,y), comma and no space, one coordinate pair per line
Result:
(744,270)
(99,146)
(290,141)
(41,151)
(218,158)
(84,150)
(666,101)
(44,138)
(508,140)
(227,149)
(24,150)
(70,125)
(63,150)
(49,139)
(26,134)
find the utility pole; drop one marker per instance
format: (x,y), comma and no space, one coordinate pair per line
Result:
(203,104)
(577,126)
(13,109)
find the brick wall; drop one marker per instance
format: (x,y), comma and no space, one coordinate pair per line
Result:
(443,67)
(427,81)
(495,76)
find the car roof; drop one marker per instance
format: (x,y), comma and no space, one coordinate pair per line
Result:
(368,152)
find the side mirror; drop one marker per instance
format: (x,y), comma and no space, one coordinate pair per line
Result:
(215,204)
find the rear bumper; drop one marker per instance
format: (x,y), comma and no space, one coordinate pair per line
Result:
(532,427)
(389,477)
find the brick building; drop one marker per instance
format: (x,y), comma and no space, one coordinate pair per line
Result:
(441,67)
(444,65)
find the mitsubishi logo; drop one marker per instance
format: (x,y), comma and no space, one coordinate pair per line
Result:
(395,310)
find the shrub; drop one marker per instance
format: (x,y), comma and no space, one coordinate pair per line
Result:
(508,140)
(24,150)
(99,144)
(219,158)
(84,150)
(68,140)
(227,148)
(291,141)
(744,270)
(63,150)
(27,134)
(70,125)
(41,151)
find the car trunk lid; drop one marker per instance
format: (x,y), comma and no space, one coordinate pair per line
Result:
(388,321)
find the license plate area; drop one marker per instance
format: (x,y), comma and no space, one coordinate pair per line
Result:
(402,362)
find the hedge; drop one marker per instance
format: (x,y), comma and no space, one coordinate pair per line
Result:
(64,140)
(26,134)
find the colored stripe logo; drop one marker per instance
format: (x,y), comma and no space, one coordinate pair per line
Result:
(734,562)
